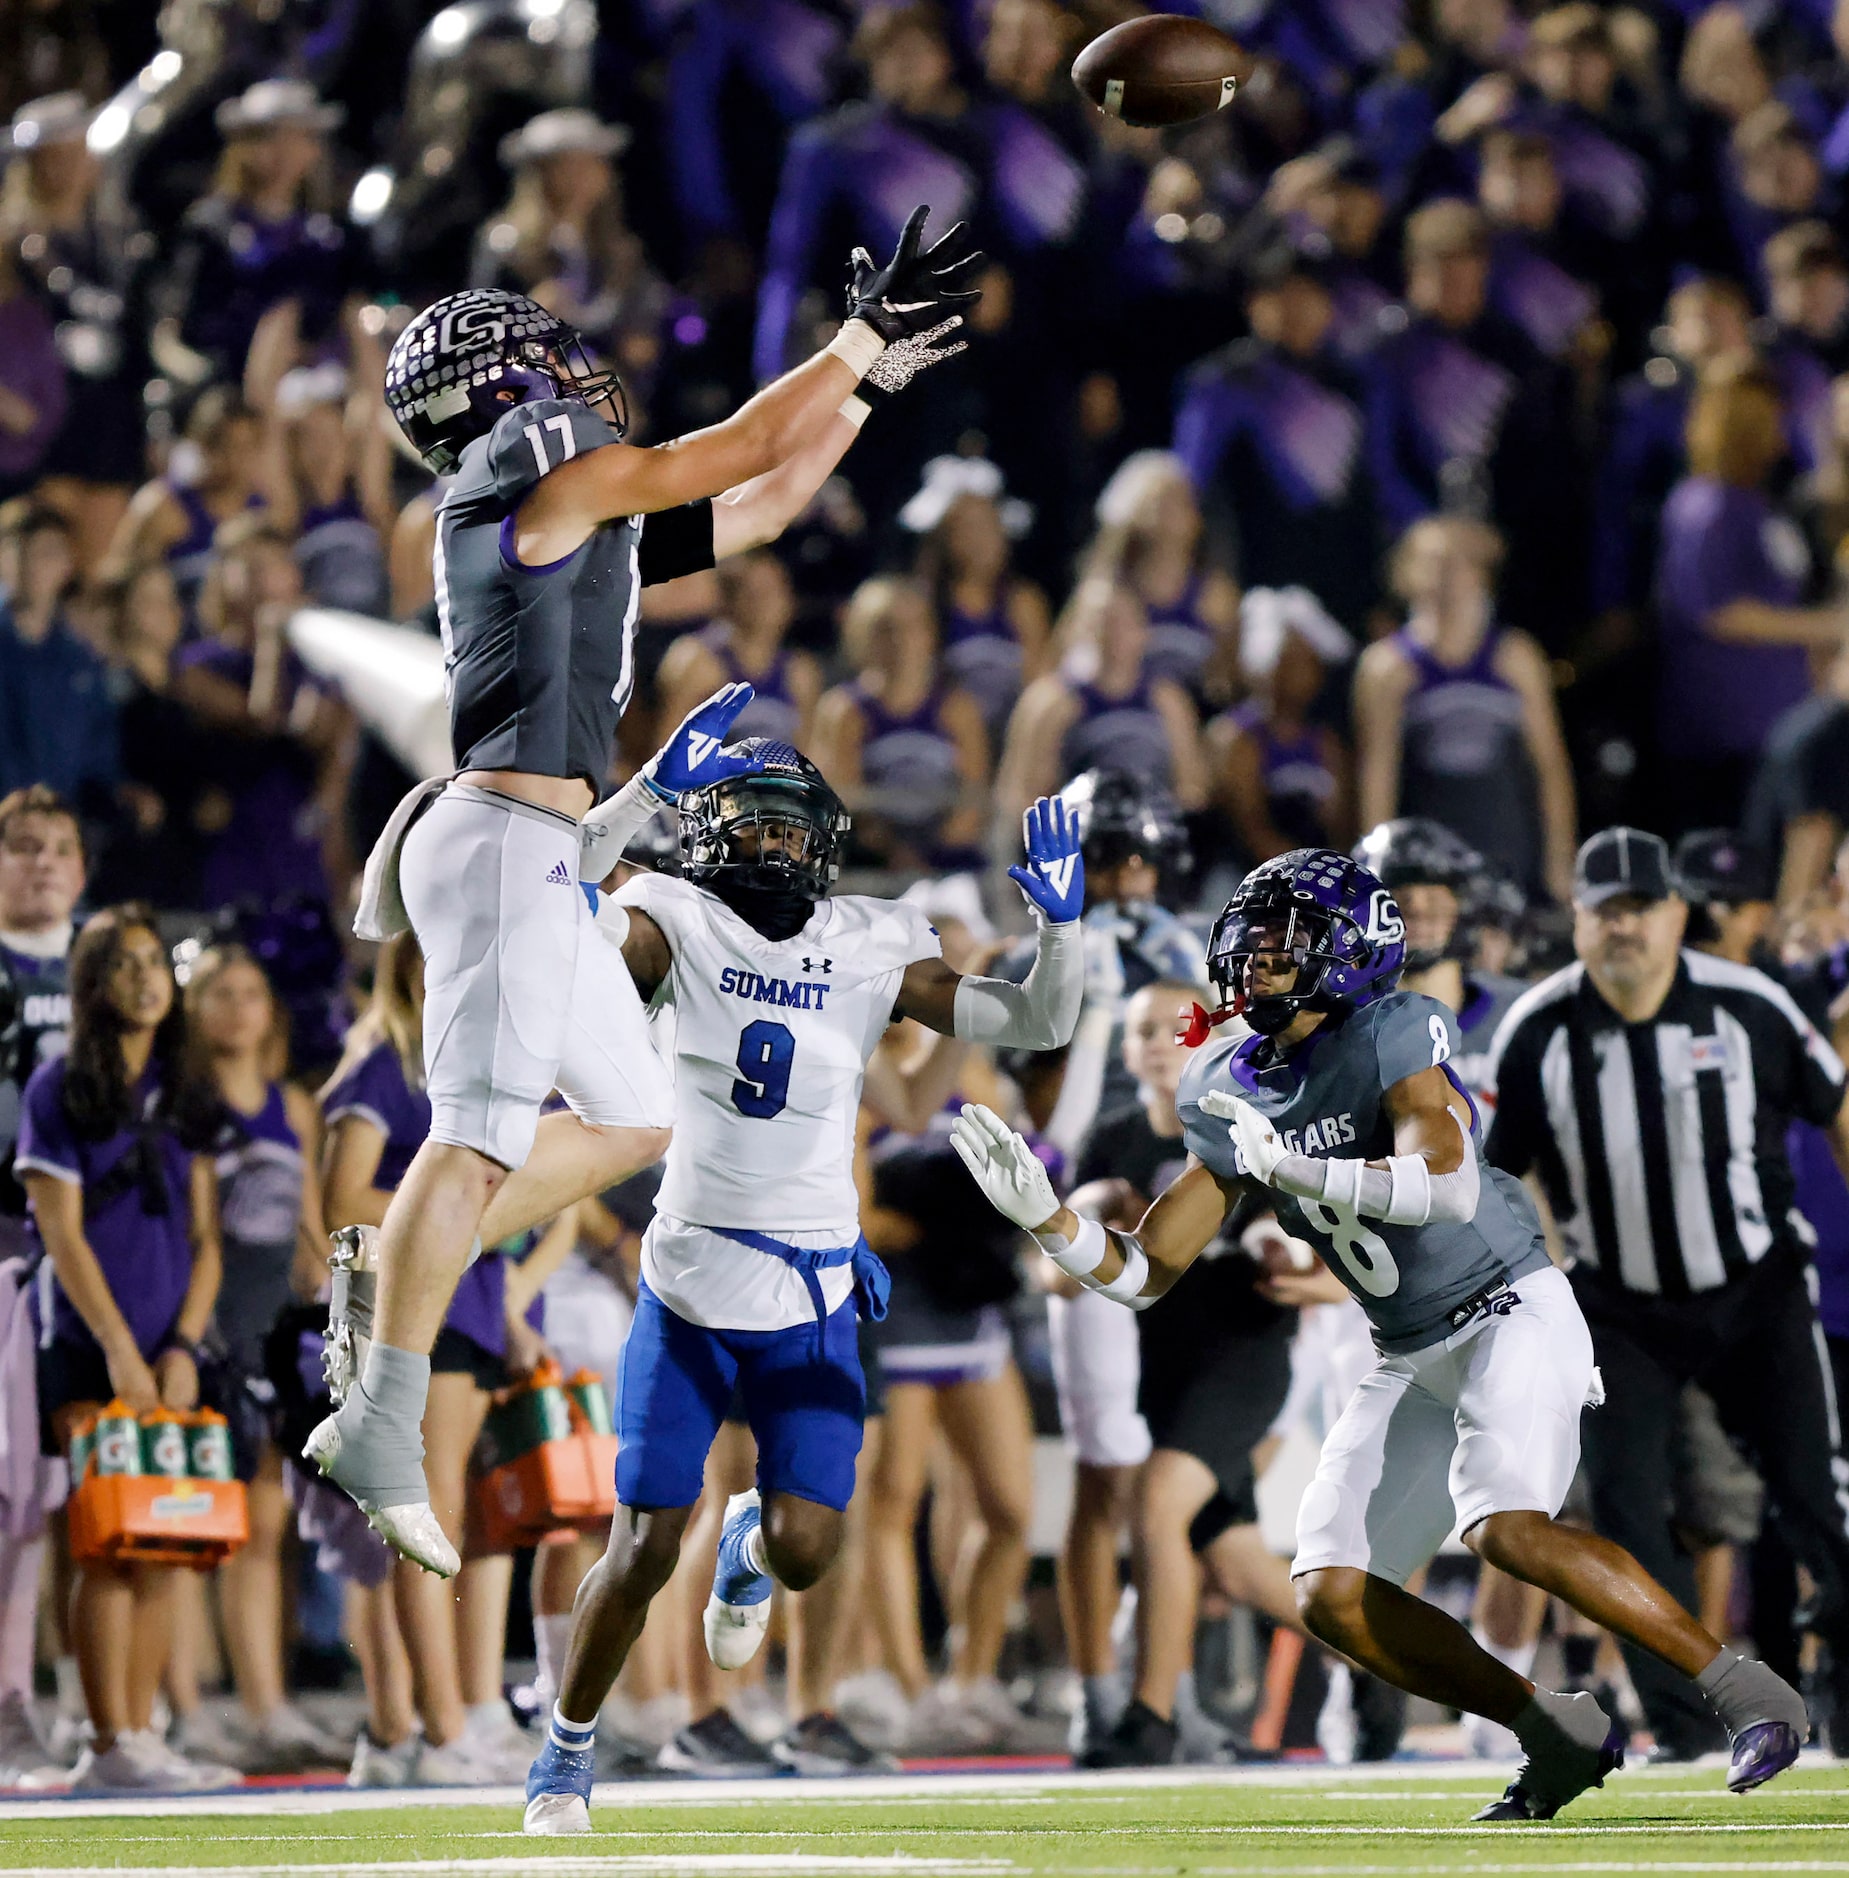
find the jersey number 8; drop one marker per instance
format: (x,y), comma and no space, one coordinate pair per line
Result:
(1365,1253)
(765,1053)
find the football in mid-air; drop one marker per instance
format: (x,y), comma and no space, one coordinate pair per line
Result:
(1163,69)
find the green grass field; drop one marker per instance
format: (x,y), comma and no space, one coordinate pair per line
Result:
(1396,1820)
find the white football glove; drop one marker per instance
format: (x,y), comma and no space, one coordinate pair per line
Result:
(1254,1138)
(1004,1167)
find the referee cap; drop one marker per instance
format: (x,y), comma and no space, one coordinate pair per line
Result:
(1622,860)
(1720,865)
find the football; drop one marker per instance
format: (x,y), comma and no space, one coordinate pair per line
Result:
(1163,69)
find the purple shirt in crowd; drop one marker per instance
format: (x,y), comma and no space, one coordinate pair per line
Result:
(1720,543)
(141,1236)
(375,1090)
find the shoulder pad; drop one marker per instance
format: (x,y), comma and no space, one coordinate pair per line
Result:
(533,439)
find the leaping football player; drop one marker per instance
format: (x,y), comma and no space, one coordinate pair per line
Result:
(550,530)
(754,1267)
(1343,1112)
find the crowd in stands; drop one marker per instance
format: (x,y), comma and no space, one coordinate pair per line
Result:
(1458,427)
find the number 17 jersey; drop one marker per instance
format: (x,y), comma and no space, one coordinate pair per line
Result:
(771,1040)
(1324,1100)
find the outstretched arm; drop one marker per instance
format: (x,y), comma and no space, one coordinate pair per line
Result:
(1042,1011)
(1131,1268)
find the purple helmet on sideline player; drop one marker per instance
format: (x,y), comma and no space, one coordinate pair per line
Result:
(1337,921)
(465,361)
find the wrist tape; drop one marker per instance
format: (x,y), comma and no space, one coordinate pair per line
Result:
(856,345)
(1080,1258)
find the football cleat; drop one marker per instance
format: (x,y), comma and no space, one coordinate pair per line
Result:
(354,1263)
(1549,1781)
(1760,1753)
(412,1529)
(558,1789)
(738,1612)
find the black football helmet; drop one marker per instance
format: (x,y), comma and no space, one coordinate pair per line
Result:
(467,359)
(1120,816)
(789,793)
(1414,851)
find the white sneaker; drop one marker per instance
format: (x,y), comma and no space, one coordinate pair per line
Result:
(287,1741)
(1485,1740)
(653,1724)
(190,1773)
(943,1722)
(22,1753)
(143,1763)
(873,1704)
(1336,1733)
(759,1713)
(497,1744)
(454,1764)
(376,1766)
(1010,1729)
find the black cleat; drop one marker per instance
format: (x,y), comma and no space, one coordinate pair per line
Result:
(1140,1739)
(823,1743)
(1539,1792)
(716,1748)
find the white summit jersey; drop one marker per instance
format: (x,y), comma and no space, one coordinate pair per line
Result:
(771,1040)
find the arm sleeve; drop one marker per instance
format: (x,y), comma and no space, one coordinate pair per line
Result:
(1038,1014)
(675,542)
(46,1143)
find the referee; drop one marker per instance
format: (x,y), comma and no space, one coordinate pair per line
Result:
(1650,1088)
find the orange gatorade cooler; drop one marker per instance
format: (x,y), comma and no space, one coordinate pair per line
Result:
(535,1467)
(135,1499)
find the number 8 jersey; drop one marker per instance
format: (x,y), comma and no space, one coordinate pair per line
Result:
(771,1040)
(1324,1099)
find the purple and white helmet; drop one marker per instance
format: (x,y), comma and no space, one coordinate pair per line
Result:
(1339,923)
(468,358)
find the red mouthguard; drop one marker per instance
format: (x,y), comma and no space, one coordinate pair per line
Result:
(1197,1024)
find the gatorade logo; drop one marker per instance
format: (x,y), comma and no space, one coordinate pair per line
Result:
(184,1505)
(700,748)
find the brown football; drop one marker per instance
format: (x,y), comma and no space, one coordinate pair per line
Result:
(1163,69)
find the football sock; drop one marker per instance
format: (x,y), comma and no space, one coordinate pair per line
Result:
(381,1429)
(573,1736)
(754,1550)
(551,1639)
(1742,1691)
(1549,1716)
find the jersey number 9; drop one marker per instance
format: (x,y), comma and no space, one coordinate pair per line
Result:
(765,1053)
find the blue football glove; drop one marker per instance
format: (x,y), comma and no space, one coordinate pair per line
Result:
(1054,878)
(695,755)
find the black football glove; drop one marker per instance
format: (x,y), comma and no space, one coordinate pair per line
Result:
(913,291)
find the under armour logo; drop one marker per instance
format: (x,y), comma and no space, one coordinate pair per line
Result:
(818,965)
(1058,874)
(699,747)
(560,875)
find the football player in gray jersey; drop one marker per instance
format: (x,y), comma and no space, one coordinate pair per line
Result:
(544,540)
(1342,1111)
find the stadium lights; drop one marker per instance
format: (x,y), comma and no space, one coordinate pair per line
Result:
(370,196)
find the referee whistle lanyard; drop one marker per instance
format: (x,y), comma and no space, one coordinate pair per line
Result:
(872,1281)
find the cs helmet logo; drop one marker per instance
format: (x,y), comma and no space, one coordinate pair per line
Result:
(1384,925)
(471,329)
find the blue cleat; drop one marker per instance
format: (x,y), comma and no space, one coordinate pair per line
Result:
(738,1612)
(1760,1752)
(558,1788)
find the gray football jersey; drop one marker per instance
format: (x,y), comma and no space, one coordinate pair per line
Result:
(1325,1101)
(539,661)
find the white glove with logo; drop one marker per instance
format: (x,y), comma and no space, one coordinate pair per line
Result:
(1254,1138)
(1006,1169)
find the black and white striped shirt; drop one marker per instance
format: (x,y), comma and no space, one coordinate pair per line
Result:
(1661,1145)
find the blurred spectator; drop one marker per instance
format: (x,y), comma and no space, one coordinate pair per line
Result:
(1455,717)
(329,475)
(757,607)
(1283,780)
(266,233)
(214,473)
(1799,806)
(167,765)
(1820,500)
(1152,541)
(1465,413)
(866,164)
(1774,179)
(1102,708)
(1732,568)
(1333,204)
(996,632)
(57,722)
(125,1208)
(906,752)
(33,396)
(1270,431)
(48,46)
(562,237)
(82,272)
(1538,273)
(1706,320)
(288,740)
(1807,289)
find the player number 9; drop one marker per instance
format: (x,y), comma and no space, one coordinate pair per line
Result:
(765,1053)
